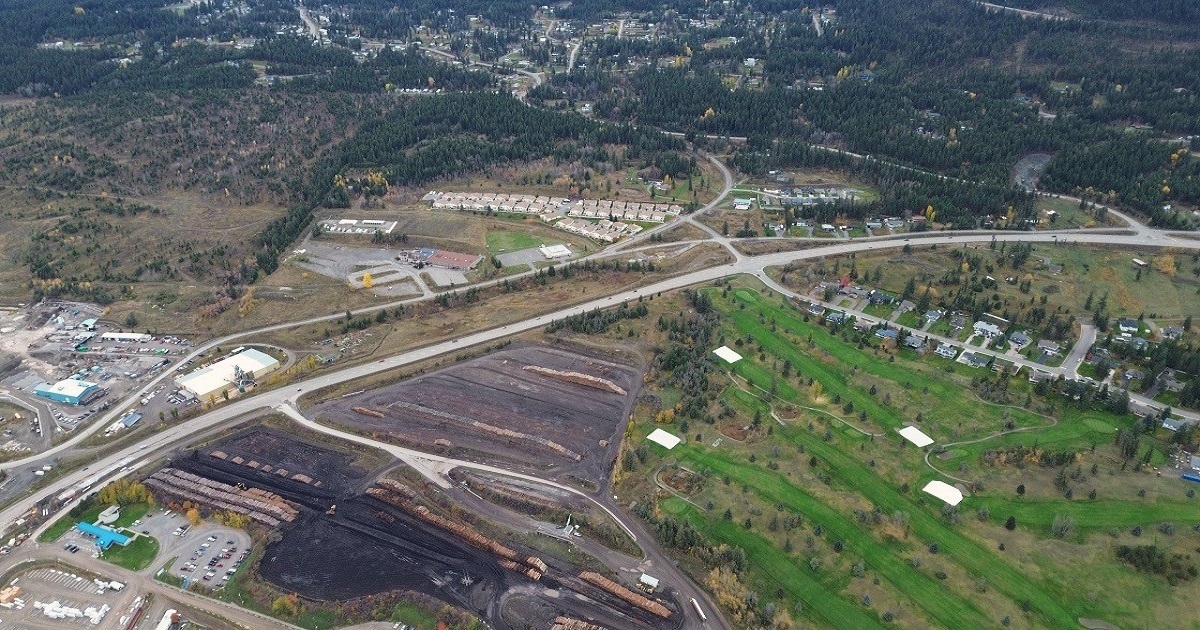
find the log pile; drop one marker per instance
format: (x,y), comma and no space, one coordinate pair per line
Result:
(265,507)
(567,623)
(367,412)
(645,603)
(494,430)
(401,496)
(579,378)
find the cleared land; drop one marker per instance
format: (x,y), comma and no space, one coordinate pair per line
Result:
(496,407)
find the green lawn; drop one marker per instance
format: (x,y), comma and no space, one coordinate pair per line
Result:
(912,319)
(500,241)
(129,514)
(776,329)
(135,556)
(414,616)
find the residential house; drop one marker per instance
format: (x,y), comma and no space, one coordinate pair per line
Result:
(1139,345)
(887,334)
(946,351)
(1172,332)
(931,317)
(1127,325)
(1173,424)
(816,310)
(879,297)
(1132,375)
(1020,339)
(835,317)
(975,359)
(987,329)
(1172,380)
(1049,347)
(958,322)
(1037,376)
(914,342)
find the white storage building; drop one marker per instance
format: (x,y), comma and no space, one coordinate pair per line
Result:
(215,380)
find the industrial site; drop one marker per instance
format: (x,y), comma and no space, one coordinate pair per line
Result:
(342,531)
(532,406)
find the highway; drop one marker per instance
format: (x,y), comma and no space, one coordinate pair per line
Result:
(747,265)
(284,399)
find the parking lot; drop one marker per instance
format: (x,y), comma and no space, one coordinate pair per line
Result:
(213,558)
(72,591)
(203,549)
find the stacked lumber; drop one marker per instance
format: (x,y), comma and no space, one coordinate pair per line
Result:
(645,603)
(489,428)
(567,623)
(263,506)
(579,378)
(400,495)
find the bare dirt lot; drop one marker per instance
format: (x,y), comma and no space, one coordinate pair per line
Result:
(497,407)
(369,546)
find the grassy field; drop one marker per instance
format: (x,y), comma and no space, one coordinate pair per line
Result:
(135,556)
(823,497)
(500,241)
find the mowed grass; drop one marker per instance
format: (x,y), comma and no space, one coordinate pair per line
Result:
(135,556)
(500,241)
(1043,594)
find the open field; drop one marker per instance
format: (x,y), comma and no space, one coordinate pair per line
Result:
(517,415)
(500,241)
(495,308)
(826,504)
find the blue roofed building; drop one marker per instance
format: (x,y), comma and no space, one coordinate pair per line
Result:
(104,536)
(71,391)
(131,419)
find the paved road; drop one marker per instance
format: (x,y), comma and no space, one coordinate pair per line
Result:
(163,441)
(1087,337)
(743,266)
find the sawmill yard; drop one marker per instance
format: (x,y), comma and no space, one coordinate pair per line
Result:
(528,404)
(346,535)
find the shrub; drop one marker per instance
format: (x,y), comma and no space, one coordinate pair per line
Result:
(1063,526)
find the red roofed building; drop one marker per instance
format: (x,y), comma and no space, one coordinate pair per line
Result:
(454,260)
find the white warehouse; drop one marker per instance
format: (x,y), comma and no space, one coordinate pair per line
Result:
(214,381)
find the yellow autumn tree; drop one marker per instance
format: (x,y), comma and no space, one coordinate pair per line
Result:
(193,516)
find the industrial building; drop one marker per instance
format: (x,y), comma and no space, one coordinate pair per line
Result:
(125,337)
(71,391)
(229,376)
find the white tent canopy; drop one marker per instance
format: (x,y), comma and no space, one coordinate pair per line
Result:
(916,436)
(658,436)
(944,491)
(728,355)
